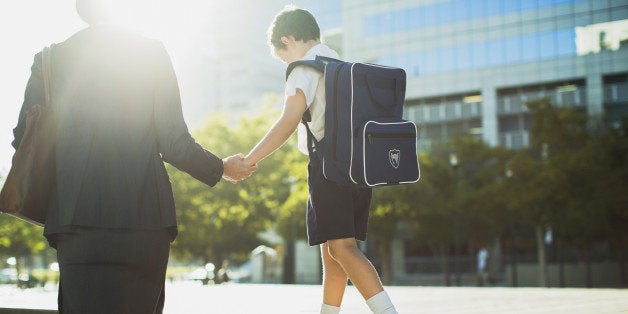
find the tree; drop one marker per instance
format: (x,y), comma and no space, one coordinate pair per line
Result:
(612,187)
(453,205)
(544,174)
(431,209)
(390,206)
(481,171)
(225,221)
(18,238)
(598,179)
(290,219)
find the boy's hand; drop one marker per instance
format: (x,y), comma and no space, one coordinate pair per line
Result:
(248,162)
(235,169)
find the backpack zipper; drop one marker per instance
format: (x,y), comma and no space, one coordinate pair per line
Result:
(370,136)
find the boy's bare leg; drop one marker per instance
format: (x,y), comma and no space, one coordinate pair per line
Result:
(334,279)
(359,269)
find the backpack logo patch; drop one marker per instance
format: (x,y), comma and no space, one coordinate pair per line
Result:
(394,156)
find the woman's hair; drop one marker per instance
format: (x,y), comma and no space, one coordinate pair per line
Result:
(292,21)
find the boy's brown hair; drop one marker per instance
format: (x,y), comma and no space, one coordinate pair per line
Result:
(292,21)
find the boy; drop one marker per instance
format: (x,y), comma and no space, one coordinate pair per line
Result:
(337,216)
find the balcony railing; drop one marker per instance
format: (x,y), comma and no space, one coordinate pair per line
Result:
(449,111)
(616,93)
(569,96)
(514,139)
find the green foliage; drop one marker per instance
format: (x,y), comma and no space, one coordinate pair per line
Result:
(573,179)
(467,194)
(433,209)
(290,221)
(18,238)
(481,174)
(225,221)
(611,151)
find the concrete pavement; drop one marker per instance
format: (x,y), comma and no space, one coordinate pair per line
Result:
(191,298)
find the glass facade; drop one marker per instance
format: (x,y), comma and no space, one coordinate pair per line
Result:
(473,64)
(447,12)
(519,49)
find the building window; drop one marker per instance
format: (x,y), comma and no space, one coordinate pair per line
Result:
(505,51)
(447,12)
(442,118)
(514,119)
(616,98)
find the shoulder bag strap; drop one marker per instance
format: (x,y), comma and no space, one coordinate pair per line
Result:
(46,73)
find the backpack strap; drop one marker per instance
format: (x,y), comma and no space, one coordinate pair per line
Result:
(314,64)
(312,143)
(317,64)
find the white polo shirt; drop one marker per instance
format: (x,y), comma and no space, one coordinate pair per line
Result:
(312,83)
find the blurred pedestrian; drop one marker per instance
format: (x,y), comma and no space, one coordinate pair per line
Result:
(482,261)
(223,273)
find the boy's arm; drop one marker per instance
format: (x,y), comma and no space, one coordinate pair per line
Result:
(293,110)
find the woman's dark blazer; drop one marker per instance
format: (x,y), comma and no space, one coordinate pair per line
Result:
(118,108)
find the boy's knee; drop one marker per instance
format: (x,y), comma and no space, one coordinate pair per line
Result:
(340,247)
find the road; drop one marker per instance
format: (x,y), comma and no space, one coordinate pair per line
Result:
(192,297)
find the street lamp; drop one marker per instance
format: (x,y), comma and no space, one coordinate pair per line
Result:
(453,161)
(513,251)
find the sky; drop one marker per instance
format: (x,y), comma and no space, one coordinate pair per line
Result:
(26,26)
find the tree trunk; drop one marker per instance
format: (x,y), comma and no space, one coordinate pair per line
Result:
(513,257)
(513,261)
(289,262)
(495,258)
(540,247)
(561,266)
(445,261)
(19,268)
(589,272)
(386,254)
(622,263)
(439,250)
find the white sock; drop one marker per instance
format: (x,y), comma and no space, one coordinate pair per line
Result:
(329,309)
(381,304)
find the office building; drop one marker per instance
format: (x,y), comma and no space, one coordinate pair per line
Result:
(472,64)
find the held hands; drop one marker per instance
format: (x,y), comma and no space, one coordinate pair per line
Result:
(236,168)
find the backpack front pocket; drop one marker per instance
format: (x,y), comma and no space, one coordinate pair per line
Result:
(389,153)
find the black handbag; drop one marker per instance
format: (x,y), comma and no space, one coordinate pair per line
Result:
(28,185)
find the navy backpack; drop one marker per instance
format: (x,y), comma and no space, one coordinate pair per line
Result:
(367,143)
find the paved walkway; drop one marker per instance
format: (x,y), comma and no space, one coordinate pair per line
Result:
(191,298)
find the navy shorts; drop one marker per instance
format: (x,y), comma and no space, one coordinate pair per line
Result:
(335,211)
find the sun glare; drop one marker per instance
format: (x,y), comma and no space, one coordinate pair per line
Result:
(28,26)
(165,20)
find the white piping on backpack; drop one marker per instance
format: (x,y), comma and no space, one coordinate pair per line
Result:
(351,156)
(364,152)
